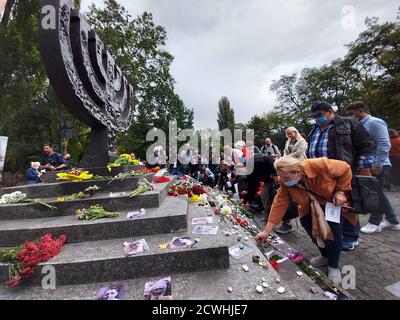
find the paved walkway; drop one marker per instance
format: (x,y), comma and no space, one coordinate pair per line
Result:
(376,259)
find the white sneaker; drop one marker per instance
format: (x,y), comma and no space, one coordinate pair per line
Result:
(319,261)
(335,276)
(389,226)
(371,228)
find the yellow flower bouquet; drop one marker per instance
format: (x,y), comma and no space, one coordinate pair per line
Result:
(75,176)
(123,160)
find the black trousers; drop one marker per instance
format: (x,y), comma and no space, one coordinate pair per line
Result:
(332,249)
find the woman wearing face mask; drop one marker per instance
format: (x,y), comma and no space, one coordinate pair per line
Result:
(311,184)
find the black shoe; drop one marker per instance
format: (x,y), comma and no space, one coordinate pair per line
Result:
(284,228)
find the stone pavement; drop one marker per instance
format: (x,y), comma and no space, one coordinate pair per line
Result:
(376,259)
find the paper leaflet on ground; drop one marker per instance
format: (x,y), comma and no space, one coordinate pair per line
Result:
(158,290)
(210,230)
(182,242)
(202,220)
(136,214)
(118,194)
(135,247)
(112,292)
(238,253)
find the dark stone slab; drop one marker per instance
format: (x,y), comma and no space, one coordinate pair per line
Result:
(48,190)
(152,199)
(171,216)
(51,177)
(104,261)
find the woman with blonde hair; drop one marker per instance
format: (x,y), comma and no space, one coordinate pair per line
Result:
(312,184)
(296,146)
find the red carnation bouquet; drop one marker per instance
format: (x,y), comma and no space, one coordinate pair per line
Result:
(198,189)
(23,259)
(162,180)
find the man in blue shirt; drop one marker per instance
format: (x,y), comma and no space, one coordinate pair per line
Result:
(51,161)
(378,130)
(344,139)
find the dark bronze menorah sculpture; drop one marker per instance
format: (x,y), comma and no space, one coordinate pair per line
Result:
(85,77)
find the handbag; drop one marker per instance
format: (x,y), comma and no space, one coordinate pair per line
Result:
(366,195)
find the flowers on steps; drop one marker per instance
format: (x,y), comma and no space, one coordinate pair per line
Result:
(15,197)
(23,259)
(144,186)
(123,160)
(19,197)
(94,213)
(76,175)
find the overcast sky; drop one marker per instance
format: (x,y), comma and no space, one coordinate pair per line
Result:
(235,48)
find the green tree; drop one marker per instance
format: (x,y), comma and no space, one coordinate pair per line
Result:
(137,45)
(226,115)
(375,59)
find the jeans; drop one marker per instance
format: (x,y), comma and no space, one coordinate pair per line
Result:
(332,249)
(350,231)
(387,210)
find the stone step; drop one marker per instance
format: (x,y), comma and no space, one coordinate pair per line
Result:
(48,190)
(51,177)
(171,216)
(201,285)
(201,273)
(100,261)
(151,199)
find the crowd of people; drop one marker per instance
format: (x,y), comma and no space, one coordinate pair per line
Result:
(312,172)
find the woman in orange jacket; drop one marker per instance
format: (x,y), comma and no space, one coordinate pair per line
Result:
(311,184)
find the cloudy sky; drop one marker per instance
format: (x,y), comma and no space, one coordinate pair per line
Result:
(235,48)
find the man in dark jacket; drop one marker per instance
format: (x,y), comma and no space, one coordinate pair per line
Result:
(343,139)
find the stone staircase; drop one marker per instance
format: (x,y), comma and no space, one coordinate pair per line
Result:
(94,251)
(94,257)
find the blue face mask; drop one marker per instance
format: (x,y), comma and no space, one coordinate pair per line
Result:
(321,121)
(291,184)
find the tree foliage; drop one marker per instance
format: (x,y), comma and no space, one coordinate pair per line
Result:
(31,112)
(369,72)
(226,115)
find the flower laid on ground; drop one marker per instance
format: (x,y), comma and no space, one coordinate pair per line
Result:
(92,188)
(204,198)
(74,196)
(132,174)
(275,264)
(179,188)
(123,160)
(23,259)
(15,197)
(219,199)
(75,175)
(194,198)
(144,186)
(198,189)
(226,211)
(19,197)
(94,213)
(162,180)
(299,259)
